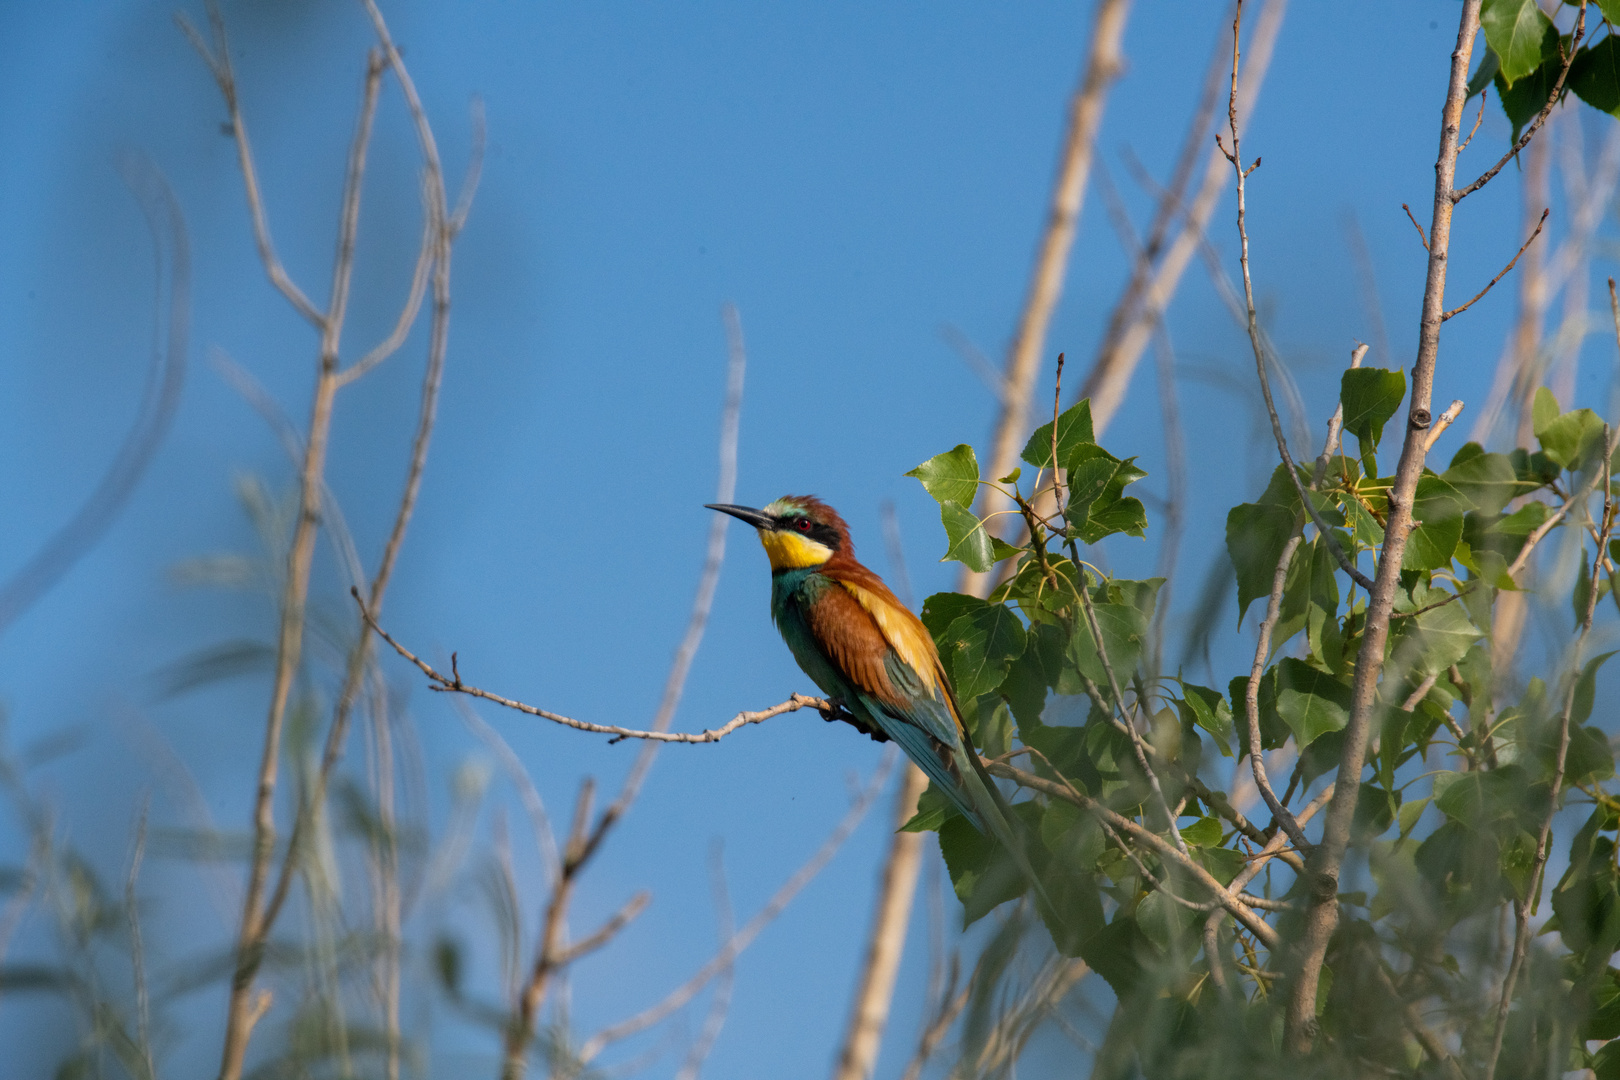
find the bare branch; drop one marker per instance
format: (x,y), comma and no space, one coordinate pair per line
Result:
(1253,324)
(743,719)
(257,918)
(1459,310)
(1441,422)
(606,933)
(1422,238)
(1320,882)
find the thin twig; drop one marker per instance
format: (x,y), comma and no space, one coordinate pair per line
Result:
(1535,125)
(1459,310)
(1251,696)
(1423,239)
(218,59)
(720,1003)
(1484,94)
(1234,156)
(1130,728)
(1146,302)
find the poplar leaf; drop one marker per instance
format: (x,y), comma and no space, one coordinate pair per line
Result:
(1594,75)
(1439,509)
(980,645)
(1310,701)
(951,477)
(969,543)
(1073,428)
(1514,31)
(1370,397)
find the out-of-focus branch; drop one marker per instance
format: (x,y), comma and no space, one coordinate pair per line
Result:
(164,382)
(751,929)
(1522,909)
(1103,65)
(1111,372)
(256,918)
(218,59)
(896,889)
(585,837)
(720,1003)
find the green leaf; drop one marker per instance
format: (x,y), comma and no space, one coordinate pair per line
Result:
(942,609)
(1091,470)
(1488,67)
(1439,509)
(1594,75)
(1514,30)
(979,646)
(1207,709)
(1363,525)
(1430,642)
(1256,534)
(982,872)
(1486,480)
(1111,511)
(969,543)
(1034,673)
(1205,832)
(1586,690)
(1310,701)
(1574,439)
(1073,428)
(951,477)
(933,808)
(1370,397)
(1523,100)
(1124,628)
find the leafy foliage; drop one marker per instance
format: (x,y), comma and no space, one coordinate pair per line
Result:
(1059,667)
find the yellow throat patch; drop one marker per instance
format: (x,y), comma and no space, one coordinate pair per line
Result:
(790,551)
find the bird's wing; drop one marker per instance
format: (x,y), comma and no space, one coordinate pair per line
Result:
(886,653)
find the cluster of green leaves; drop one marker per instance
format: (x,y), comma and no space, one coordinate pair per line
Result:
(1525,54)
(1460,780)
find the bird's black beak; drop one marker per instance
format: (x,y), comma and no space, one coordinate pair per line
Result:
(757,518)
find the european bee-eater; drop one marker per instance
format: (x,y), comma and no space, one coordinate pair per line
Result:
(866,650)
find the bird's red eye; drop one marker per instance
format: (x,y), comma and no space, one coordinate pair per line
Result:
(803,525)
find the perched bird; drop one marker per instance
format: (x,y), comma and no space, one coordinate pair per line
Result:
(867,651)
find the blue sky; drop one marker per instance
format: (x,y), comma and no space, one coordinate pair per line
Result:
(852,176)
